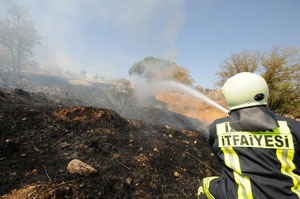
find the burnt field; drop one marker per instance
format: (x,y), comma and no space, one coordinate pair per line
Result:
(132,158)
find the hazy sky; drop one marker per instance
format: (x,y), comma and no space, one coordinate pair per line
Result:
(108,36)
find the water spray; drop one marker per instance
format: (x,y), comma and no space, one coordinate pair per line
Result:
(192,92)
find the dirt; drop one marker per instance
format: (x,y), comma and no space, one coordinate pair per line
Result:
(134,159)
(192,107)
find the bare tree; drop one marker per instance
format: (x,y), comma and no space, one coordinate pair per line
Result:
(245,61)
(18,34)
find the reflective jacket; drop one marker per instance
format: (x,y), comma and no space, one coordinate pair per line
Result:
(260,165)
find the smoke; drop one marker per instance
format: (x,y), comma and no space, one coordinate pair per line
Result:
(148,107)
(105,37)
(169,35)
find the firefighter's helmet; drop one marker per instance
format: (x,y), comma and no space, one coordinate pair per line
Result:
(245,90)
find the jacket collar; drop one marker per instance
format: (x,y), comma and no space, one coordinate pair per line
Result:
(253,119)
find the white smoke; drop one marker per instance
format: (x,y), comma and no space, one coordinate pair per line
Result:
(74,32)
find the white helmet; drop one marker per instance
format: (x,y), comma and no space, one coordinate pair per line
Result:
(244,90)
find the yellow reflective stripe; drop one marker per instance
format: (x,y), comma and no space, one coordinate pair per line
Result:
(206,191)
(282,141)
(244,184)
(283,127)
(206,183)
(248,187)
(287,166)
(204,188)
(232,161)
(296,178)
(286,156)
(200,190)
(232,164)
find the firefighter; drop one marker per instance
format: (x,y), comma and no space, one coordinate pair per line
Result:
(260,150)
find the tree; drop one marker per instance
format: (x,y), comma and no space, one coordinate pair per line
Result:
(160,69)
(245,61)
(150,67)
(281,69)
(19,35)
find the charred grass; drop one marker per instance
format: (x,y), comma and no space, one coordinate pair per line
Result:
(133,159)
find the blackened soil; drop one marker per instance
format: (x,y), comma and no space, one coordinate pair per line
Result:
(133,159)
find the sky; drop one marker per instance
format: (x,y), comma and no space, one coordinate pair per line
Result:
(106,37)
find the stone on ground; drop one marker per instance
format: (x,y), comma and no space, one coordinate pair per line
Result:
(79,167)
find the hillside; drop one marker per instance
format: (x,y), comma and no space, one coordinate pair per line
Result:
(194,108)
(132,158)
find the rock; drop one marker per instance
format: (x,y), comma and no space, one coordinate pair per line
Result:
(167,127)
(8,140)
(116,156)
(13,173)
(176,174)
(79,167)
(128,180)
(64,145)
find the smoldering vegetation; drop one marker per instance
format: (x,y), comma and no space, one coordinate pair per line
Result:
(133,100)
(42,139)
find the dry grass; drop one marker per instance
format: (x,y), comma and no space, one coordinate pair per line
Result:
(192,107)
(23,193)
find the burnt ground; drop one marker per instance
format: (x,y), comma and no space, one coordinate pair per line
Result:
(134,159)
